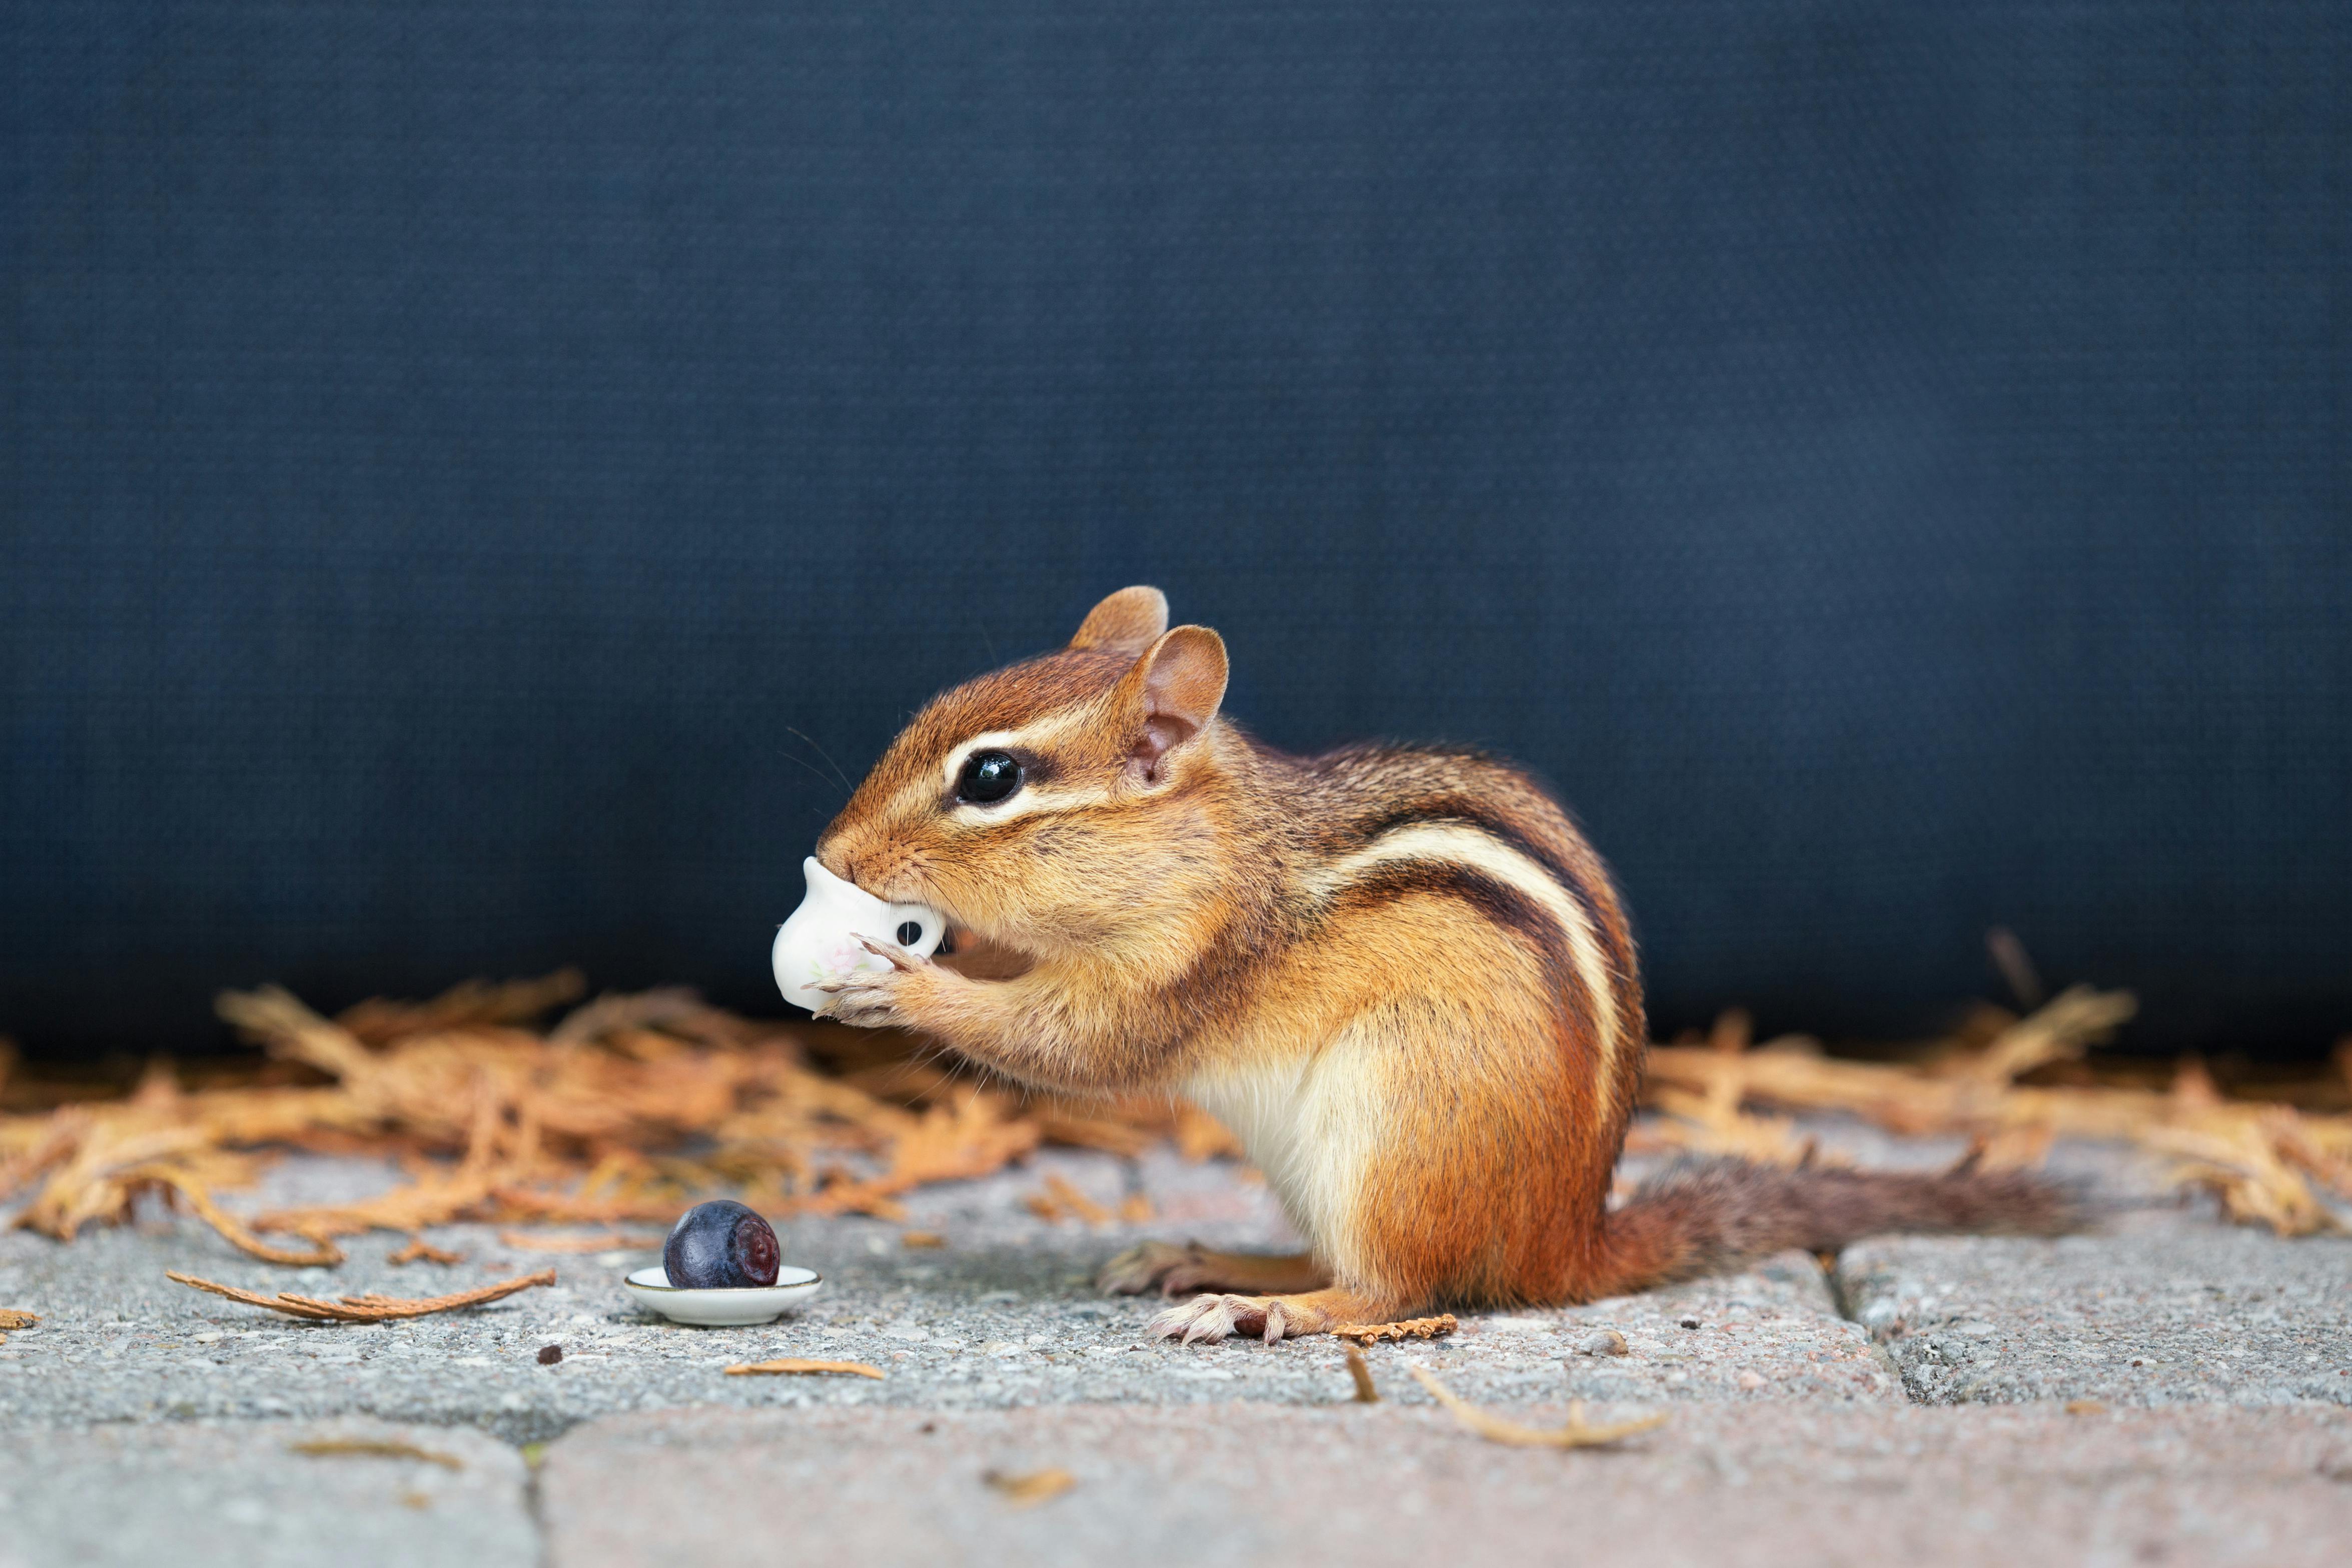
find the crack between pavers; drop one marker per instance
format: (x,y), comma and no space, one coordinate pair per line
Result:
(1833,1280)
(534,1503)
(1833,1266)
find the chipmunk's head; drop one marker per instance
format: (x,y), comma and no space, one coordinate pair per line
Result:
(1050,803)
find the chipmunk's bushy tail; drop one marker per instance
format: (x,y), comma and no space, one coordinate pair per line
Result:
(1707,1216)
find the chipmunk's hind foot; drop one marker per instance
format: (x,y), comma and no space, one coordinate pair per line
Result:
(1175,1270)
(1269,1318)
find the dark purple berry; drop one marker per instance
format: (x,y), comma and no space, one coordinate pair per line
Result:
(720,1246)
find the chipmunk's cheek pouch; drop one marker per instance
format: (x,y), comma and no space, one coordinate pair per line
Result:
(975,957)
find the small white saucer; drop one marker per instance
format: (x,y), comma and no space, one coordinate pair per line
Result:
(723,1308)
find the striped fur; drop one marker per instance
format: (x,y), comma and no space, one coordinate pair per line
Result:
(1401,975)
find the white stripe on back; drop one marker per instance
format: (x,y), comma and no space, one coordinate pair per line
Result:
(1460,844)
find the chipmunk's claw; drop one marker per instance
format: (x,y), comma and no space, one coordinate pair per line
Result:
(899,959)
(1214,1318)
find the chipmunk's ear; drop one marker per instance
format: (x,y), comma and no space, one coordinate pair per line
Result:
(1172,693)
(1124,623)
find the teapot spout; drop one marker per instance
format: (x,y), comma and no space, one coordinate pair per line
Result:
(822,943)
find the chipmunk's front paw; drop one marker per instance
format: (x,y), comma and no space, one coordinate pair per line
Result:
(882,998)
(1213,1318)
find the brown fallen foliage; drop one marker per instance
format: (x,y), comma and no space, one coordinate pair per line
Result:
(801,1364)
(1359,1373)
(626,1110)
(368,1309)
(2259,1159)
(420,1250)
(1576,1434)
(631,1108)
(10,1318)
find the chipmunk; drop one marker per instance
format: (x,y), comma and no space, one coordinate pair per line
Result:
(1401,976)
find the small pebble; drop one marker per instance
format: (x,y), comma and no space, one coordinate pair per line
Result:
(1687,1322)
(1604,1342)
(550,1354)
(1751,1381)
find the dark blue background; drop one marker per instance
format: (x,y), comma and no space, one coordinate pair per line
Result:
(1886,463)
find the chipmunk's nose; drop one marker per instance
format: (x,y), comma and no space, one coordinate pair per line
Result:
(856,864)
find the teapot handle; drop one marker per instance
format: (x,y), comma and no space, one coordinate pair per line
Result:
(930,928)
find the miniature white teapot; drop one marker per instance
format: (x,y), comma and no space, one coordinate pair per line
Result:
(819,944)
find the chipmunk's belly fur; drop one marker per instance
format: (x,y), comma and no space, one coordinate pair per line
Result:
(1311,1123)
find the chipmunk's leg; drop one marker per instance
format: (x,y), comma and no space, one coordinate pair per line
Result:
(1175,1270)
(1270,1318)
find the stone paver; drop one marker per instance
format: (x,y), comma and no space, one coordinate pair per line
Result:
(2156,1309)
(206,1495)
(1400,1483)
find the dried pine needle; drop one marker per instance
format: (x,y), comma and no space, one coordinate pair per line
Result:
(420,1250)
(1032,1487)
(368,1309)
(1408,1329)
(1576,1434)
(785,1364)
(374,1449)
(1074,1201)
(1362,1374)
(319,1253)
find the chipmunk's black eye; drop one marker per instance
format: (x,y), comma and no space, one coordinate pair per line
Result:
(988,778)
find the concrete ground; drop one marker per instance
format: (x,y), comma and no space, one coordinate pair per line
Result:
(2166,1390)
